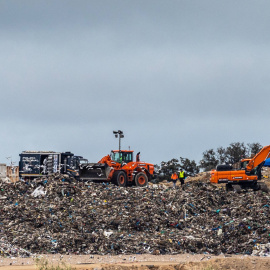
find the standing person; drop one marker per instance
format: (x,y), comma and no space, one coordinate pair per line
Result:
(174,178)
(182,177)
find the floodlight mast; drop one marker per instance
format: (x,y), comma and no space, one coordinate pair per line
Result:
(119,134)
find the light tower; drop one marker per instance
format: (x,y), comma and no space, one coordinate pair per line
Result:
(119,134)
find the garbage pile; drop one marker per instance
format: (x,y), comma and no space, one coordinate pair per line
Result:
(261,250)
(9,250)
(60,215)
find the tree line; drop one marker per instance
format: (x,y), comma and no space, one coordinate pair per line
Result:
(210,159)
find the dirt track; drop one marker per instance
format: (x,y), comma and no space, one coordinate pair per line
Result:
(180,261)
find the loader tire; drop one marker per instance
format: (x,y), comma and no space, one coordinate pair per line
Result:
(121,179)
(141,179)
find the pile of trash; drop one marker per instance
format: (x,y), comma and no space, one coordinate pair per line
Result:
(9,250)
(60,215)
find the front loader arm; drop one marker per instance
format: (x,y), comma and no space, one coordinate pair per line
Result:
(107,159)
(258,158)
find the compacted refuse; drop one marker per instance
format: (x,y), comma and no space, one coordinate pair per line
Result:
(57,214)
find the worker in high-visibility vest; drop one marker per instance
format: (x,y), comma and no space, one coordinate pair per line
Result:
(174,178)
(182,177)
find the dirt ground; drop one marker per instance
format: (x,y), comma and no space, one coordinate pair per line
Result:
(143,262)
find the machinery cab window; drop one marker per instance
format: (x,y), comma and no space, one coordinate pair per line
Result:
(122,156)
(244,164)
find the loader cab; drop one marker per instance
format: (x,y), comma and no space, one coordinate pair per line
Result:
(122,156)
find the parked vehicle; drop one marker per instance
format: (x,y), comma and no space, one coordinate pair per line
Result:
(36,163)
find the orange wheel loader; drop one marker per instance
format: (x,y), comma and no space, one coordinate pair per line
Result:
(119,168)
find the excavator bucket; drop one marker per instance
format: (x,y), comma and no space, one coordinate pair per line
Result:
(94,172)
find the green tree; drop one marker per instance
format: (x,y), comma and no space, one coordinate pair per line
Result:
(167,168)
(222,155)
(157,168)
(254,148)
(209,160)
(236,151)
(189,166)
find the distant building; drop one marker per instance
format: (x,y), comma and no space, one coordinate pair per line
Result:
(3,170)
(9,173)
(13,173)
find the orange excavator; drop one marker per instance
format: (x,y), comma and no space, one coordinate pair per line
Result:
(246,176)
(119,168)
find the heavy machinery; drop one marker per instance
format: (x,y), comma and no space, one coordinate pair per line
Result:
(37,163)
(119,168)
(246,176)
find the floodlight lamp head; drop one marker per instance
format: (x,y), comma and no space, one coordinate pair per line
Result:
(115,132)
(116,136)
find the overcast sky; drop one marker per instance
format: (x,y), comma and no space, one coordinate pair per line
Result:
(178,77)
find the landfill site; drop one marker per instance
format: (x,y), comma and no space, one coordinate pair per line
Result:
(114,214)
(103,226)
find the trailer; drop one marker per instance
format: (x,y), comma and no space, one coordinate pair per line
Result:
(33,164)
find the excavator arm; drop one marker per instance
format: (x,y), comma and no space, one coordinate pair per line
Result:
(258,158)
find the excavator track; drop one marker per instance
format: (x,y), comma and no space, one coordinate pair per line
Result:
(263,187)
(237,188)
(241,187)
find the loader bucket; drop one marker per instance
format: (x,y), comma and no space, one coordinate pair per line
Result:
(94,172)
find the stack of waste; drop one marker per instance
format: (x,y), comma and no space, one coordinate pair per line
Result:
(261,250)
(9,250)
(60,215)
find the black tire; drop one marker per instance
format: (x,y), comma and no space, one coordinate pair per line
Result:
(141,179)
(121,179)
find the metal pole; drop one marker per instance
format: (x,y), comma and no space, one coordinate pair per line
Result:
(119,143)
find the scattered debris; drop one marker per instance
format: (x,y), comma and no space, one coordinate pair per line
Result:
(71,217)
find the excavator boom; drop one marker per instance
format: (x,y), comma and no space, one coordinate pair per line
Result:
(258,158)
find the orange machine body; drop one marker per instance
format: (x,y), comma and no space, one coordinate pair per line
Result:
(231,176)
(127,164)
(122,162)
(249,170)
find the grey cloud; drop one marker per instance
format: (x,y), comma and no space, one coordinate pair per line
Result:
(178,77)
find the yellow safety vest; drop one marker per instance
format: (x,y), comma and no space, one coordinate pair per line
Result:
(181,174)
